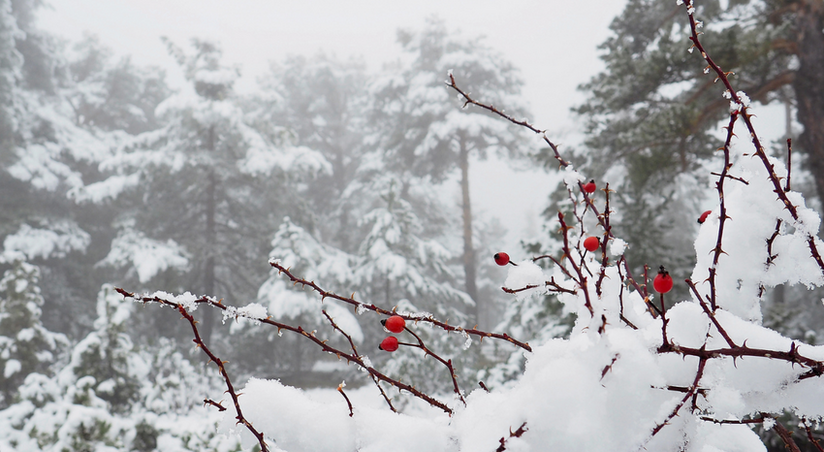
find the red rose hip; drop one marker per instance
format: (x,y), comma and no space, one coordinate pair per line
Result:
(591,244)
(390,344)
(663,281)
(501,258)
(590,187)
(395,324)
(704,216)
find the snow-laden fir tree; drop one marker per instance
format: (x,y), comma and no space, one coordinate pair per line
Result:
(65,109)
(197,197)
(26,347)
(422,133)
(113,395)
(652,117)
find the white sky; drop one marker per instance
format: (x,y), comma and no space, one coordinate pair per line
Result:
(553,42)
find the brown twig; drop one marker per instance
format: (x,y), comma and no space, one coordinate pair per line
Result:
(311,337)
(710,314)
(789,163)
(446,362)
(810,436)
(523,123)
(701,363)
(212,357)
(208,401)
(728,176)
(516,434)
(581,280)
(355,351)
(783,433)
(759,420)
(604,242)
(770,256)
(348,402)
(719,186)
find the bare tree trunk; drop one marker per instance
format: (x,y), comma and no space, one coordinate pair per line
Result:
(209,270)
(809,86)
(469,250)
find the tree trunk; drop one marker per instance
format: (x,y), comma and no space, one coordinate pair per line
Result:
(209,270)
(469,250)
(809,86)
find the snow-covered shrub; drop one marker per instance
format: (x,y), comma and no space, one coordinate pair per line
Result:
(636,373)
(112,396)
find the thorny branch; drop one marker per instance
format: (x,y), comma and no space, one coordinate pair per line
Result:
(810,436)
(371,307)
(604,241)
(581,280)
(719,185)
(759,148)
(522,123)
(356,359)
(690,393)
(516,434)
(355,351)
(446,362)
(220,365)
(710,314)
(784,434)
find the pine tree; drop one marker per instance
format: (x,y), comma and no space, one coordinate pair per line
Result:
(26,347)
(320,103)
(113,395)
(425,135)
(46,154)
(651,115)
(199,195)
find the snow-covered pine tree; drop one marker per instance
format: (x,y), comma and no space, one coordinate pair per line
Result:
(26,347)
(651,116)
(320,102)
(61,117)
(421,131)
(112,395)
(200,194)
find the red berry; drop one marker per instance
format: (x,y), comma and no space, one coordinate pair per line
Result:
(590,187)
(591,244)
(704,216)
(501,258)
(663,281)
(395,324)
(390,344)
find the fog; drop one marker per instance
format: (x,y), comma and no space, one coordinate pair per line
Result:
(553,43)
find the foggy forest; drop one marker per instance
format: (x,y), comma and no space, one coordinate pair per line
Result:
(302,266)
